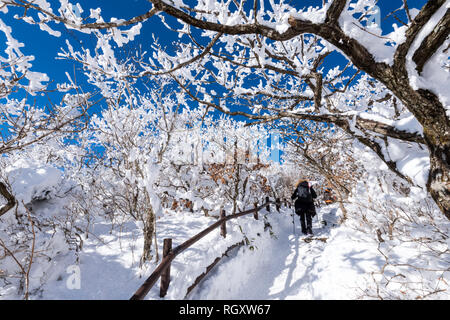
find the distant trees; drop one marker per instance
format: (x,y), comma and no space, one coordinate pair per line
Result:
(328,155)
(275,42)
(25,123)
(158,142)
(269,61)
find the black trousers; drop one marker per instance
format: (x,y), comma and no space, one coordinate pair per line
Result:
(305,218)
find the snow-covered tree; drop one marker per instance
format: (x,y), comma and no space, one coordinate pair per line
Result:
(274,40)
(270,60)
(165,137)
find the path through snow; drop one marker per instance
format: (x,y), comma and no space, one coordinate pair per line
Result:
(290,268)
(276,265)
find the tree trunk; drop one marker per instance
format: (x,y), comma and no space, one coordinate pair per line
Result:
(11,201)
(431,114)
(148,235)
(438,181)
(424,104)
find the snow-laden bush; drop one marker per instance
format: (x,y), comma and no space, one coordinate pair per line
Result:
(408,230)
(39,232)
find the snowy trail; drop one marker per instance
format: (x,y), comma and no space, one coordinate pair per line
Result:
(276,264)
(289,267)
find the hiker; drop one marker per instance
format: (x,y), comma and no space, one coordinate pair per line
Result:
(304,205)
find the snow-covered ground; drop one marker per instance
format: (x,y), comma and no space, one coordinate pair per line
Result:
(109,264)
(278,266)
(328,267)
(279,262)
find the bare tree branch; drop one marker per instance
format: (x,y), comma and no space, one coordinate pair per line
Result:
(418,23)
(95,25)
(335,10)
(432,42)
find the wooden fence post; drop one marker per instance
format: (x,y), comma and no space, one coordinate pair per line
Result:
(163,269)
(165,276)
(255,214)
(223,227)
(268,205)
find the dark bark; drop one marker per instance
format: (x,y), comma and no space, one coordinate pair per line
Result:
(165,276)
(416,26)
(432,42)
(424,104)
(149,229)
(343,121)
(438,180)
(11,200)
(335,10)
(431,114)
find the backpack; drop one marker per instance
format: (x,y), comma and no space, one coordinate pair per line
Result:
(304,194)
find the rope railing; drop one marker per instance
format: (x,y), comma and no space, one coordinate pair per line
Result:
(169,254)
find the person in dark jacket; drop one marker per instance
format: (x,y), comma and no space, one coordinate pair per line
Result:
(304,205)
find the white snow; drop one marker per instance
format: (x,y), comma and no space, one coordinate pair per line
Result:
(88,231)
(434,75)
(276,264)
(289,268)
(30,180)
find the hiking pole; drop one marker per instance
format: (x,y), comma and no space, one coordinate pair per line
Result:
(317,213)
(293,223)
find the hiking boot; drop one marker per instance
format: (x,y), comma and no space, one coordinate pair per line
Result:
(309,231)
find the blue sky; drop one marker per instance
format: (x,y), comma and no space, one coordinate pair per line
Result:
(44,47)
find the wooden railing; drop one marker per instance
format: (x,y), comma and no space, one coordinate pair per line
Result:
(169,254)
